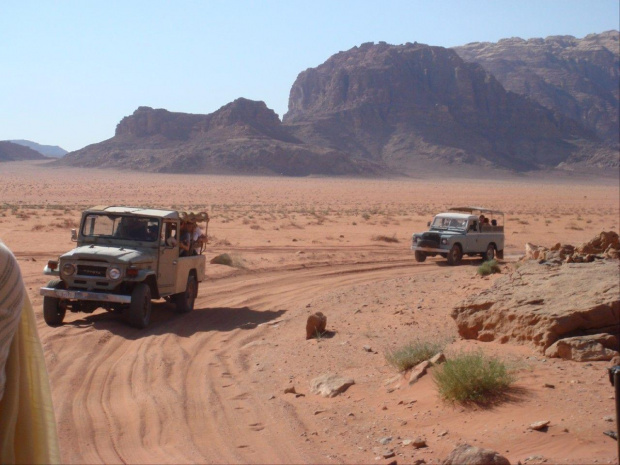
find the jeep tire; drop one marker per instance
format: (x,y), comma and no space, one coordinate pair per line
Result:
(139,313)
(489,254)
(455,255)
(54,309)
(420,256)
(184,301)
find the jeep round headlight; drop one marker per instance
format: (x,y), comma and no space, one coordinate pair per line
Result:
(68,269)
(444,241)
(114,273)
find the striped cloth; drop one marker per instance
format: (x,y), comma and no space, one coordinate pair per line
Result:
(27,423)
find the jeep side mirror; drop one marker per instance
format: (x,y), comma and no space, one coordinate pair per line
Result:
(74,235)
(428,224)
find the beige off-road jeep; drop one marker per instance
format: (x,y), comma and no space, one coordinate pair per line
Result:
(125,256)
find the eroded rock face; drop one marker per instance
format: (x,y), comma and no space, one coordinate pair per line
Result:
(471,455)
(576,77)
(538,304)
(585,348)
(243,136)
(398,104)
(604,246)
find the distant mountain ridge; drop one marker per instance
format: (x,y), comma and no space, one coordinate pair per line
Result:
(53,151)
(381,108)
(10,151)
(578,78)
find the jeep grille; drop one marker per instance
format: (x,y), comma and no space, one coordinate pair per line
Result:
(89,270)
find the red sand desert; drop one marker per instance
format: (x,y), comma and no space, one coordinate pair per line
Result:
(208,386)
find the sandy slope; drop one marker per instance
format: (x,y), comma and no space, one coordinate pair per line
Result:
(209,386)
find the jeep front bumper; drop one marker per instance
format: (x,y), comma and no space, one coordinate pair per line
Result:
(85,295)
(428,249)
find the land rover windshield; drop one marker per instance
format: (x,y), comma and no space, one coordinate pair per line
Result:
(445,223)
(120,227)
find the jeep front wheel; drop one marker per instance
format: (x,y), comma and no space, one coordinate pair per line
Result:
(140,307)
(185,300)
(54,309)
(455,255)
(420,256)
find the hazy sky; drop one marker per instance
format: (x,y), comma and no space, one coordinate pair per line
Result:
(71,70)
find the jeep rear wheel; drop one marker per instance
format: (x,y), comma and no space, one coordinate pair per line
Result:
(139,313)
(54,309)
(489,254)
(420,256)
(185,300)
(455,255)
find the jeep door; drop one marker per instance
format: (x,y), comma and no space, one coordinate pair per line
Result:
(168,257)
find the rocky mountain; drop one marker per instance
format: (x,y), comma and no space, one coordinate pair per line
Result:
(242,137)
(16,152)
(577,78)
(48,150)
(410,104)
(381,108)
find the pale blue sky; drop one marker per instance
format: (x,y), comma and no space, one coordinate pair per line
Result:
(71,70)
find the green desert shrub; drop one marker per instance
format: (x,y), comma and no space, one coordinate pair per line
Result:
(472,377)
(488,268)
(228,260)
(410,355)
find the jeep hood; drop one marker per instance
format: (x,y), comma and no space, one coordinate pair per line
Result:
(110,254)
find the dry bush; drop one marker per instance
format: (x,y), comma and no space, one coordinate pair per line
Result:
(382,238)
(38,227)
(255,227)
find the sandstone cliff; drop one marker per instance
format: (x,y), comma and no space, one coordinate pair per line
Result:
(401,105)
(241,137)
(577,78)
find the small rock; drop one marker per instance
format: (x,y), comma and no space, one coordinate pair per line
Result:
(470,454)
(539,425)
(419,443)
(442,434)
(608,418)
(388,454)
(316,412)
(315,325)
(290,390)
(330,385)
(407,442)
(438,358)
(367,348)
(550,386)
(385,440)
(418,371)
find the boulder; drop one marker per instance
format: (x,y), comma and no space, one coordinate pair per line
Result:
(539,304)
(471,455)
(584,348)
(330,385)
(315,324)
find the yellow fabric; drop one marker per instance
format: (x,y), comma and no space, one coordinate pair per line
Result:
(27,423)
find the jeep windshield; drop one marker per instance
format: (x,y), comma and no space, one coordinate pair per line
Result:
(444,223)
(133,228)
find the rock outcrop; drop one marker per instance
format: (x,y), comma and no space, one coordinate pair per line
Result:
(406,105)
(577,78)
(10,151)
(52,151)
(539,304)
(330,385)
(242,137)
(604,246)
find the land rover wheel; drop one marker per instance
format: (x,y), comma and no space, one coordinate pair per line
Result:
(185,300)
(420,256)
(455,255)
(490,253)
(140,307)
(54,309)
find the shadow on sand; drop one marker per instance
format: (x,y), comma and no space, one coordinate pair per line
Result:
(165,321)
